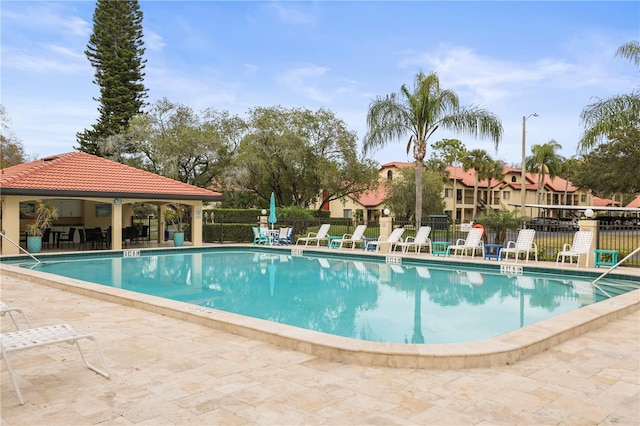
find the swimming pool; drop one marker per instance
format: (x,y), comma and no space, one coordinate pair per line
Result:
(358,297)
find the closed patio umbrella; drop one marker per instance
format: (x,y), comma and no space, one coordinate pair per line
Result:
(272,210)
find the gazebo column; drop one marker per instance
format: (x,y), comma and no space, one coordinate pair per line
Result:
(11,224)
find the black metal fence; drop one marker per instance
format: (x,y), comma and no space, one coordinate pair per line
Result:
(623,237)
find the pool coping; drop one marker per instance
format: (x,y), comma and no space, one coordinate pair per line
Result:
(507,348)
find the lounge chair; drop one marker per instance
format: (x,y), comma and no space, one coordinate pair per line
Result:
(9,310)
(392,240)
(421,239)
(473,242)
(581,246)
(321,235)
(285,236)
(259,237)
(354,238)
(523,244)
(35,337)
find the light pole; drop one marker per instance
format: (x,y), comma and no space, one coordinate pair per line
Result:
(523,187)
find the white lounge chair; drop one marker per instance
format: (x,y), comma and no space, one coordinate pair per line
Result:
(421,239)
(9,310)
(523,244)
(354,238)
(259,236)
(473,242)
(392,240)
(581,246)
(321,235)
(35,337)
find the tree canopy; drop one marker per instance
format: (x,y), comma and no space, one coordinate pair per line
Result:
(115,51)
(613,167)
(299,154)
(11,148)
(605,116)
(173,140)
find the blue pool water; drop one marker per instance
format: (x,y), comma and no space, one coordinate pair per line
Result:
(362,299)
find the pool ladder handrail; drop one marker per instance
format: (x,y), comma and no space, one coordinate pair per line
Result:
(2,233)
(611,269)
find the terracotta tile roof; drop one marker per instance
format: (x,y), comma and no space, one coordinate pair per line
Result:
(468,178)
(80,174)
(397,164)
(604,202)
(635,203)
(372,198)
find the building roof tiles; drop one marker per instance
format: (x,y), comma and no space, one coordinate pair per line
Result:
(82,174)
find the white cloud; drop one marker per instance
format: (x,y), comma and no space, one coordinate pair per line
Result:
(49,59)
(50,18)
(292,15)
(314,82)
(153,40)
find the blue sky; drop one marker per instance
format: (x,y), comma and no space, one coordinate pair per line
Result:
(512,58)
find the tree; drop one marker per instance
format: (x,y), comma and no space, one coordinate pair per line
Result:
(545,160)
(612,167)
(568,169)
(299,154)
(617,112)
(402,203)
(419,114)
(174,141)
(115,51)
(11,148)
(451,151)
(479,161)
(494,170)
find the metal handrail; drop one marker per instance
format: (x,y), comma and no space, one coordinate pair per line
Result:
(2,233)
(615,266)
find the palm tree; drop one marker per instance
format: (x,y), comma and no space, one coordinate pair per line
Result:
(569,166)
(606,115)
(478,160)
(495,170)
(544,160)
(419,114)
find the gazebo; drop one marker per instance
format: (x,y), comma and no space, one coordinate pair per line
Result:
(91,191)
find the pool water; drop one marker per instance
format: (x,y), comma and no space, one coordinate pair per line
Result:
(361,299)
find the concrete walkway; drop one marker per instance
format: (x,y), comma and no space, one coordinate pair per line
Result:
(167,371)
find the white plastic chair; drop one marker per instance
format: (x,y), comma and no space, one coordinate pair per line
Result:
(581,246)
(321,235)
(9,310)
(35,337)
(523,244)
(421,239)
(392,240)
(354,238)
(473,242)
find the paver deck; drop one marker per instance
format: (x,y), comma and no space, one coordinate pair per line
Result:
(168,371)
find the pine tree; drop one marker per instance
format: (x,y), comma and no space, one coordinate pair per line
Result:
(115,51)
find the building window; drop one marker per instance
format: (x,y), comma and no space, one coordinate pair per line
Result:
(389,175)
(506,195)
(583,198)
(347,213)
(513,179)
(448,193)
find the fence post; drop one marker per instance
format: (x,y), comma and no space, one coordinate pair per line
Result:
(386,226)
(591,226)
